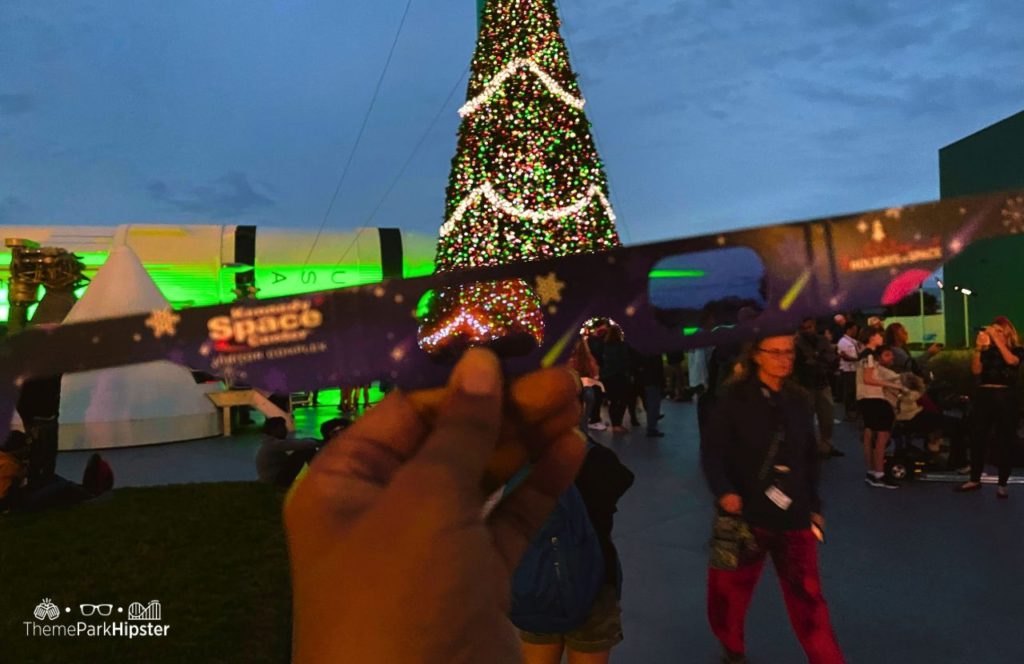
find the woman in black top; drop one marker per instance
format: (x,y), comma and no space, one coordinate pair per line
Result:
(760,459)
(996,363)
(615,376)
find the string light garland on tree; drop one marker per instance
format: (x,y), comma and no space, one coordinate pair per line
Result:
(495,199)
(520,63)
(526,181)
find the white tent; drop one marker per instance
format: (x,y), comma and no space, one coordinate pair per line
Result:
(143,404)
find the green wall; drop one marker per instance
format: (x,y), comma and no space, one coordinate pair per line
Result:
(989,160)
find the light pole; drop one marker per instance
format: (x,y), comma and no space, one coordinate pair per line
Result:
(966,292)
(920,311)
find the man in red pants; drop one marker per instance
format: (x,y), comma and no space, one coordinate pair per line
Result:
(760,459)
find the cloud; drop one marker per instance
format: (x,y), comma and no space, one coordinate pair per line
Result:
(946,93)
(13,210)
(839,135)
(16,104)
(806,52)
(845,96)
(863,15)
(227,196)
(910,96)
(620,31)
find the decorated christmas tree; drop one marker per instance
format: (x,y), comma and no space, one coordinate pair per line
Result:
(526,180)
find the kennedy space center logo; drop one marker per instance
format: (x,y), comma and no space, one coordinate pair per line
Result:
(252,327)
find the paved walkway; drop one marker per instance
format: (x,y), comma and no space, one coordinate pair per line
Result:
(918,575)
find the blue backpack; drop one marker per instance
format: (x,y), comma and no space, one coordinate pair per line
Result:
(561,574)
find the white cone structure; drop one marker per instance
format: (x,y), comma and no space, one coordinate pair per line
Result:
(144,404)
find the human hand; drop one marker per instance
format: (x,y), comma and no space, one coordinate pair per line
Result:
(818,527)
(391,557)
(934,349)
(731,503)
(983,340)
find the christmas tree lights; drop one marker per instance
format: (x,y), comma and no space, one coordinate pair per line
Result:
(526,181)
(495,84)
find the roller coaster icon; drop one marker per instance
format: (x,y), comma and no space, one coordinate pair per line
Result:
(152,611)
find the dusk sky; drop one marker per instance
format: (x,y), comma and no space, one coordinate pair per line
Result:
(709,114)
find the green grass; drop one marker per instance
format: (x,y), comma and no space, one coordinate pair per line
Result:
(213,554)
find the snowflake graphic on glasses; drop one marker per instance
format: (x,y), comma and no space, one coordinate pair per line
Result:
(163,321)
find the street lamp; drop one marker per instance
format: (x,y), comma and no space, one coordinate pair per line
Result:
(966,292)
(942,299)
(920,311)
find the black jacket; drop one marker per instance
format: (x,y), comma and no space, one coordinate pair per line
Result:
(616,361)
(736,443)
(601,481)
(652,371)
(814,361)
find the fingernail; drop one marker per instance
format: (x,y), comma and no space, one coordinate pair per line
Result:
(478,373)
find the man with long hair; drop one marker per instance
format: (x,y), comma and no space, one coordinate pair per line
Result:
(814,360)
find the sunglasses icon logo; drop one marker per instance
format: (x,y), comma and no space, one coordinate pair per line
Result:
(98,609)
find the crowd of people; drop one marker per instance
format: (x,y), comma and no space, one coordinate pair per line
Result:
(888,390)
(759,451)
(615,374)
(767,414)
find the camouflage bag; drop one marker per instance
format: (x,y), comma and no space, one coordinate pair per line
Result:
(732,541)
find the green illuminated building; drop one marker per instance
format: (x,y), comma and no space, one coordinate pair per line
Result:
(988,160)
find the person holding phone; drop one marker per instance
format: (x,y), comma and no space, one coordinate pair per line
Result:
(760,458)
(995,410)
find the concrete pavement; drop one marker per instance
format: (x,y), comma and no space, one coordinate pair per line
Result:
(918,575)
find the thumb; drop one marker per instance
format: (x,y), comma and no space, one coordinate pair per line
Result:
(467,427)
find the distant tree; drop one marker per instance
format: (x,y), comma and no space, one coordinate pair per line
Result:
(911,305)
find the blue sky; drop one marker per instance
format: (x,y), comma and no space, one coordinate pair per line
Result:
(709,114)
